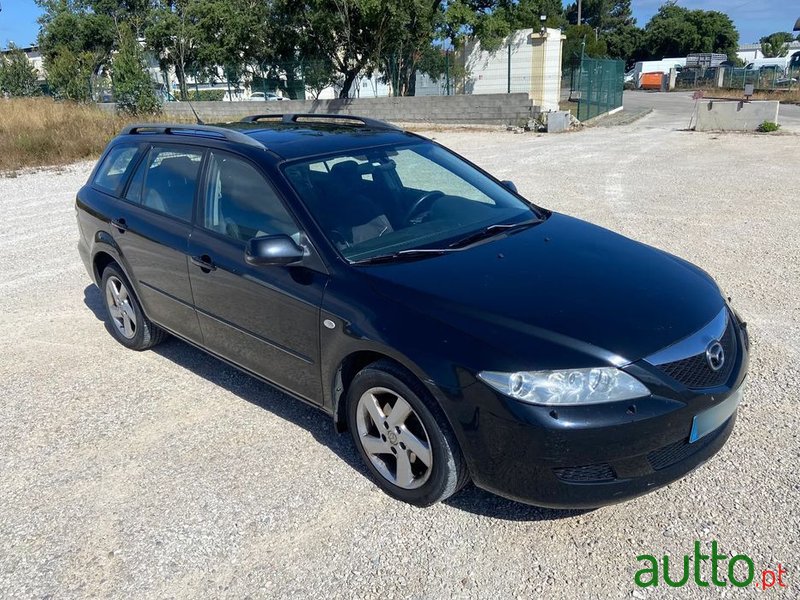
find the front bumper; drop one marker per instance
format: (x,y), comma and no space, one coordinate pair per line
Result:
(590,456)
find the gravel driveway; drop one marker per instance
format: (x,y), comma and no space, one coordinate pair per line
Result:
(167,474)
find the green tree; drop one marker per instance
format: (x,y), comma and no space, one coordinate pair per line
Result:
(171,33)
(574,47)
(133,87)
(75,44)
(347,33)
(491,21)
(776,44)
(613,21)
(604,15)
(678,31)
(17,75)
(411,23)
(69,74)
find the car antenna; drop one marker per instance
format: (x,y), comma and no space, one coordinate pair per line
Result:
(196,116)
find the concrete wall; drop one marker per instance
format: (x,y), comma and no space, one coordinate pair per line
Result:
(503,109)
(722,115)
(546,72)
(535,66)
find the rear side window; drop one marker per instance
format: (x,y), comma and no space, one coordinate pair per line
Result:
(168,180)
(115,165)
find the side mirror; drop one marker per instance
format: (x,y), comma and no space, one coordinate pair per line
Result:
(510,185)
(273,250)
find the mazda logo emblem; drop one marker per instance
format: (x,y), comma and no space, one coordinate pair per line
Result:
(715,355)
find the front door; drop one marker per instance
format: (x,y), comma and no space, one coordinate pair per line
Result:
(262,318)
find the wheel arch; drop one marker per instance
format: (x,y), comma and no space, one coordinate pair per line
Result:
(100,261)
(356,361)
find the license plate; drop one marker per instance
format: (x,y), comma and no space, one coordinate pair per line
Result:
(709,420)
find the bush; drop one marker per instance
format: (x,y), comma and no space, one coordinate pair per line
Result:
(17,75)
(768,127)
(206,95)
(69,75)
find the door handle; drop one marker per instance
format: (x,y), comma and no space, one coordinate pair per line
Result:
(204,262)
(120,225)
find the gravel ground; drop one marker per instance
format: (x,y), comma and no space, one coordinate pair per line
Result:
(167,474)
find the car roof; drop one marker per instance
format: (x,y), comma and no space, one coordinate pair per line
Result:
(292,136)
(300,141)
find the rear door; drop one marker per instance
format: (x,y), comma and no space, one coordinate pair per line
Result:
(263,318)
(152,231)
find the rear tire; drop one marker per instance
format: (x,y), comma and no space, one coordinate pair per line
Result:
(403,436)
(126,321)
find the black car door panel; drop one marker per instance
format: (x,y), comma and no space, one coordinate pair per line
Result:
(153,236)
(265,319)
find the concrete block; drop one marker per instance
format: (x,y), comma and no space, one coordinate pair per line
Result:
(487,108)
(726,115)
(557,121)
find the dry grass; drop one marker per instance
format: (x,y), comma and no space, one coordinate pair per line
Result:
(785,96)
(37,132)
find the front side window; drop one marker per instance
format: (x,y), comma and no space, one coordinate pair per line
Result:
(111,173)
(168,179)
(240,203)
(386,200)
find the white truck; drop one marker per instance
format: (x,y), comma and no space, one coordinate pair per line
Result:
(653,66)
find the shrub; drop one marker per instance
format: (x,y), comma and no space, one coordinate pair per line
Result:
(768,127)
(69,75)
(17,75)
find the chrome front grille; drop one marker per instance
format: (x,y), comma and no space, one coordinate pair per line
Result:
(694,371)
(686,360)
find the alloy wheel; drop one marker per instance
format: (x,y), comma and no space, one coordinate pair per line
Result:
(123,316)
(394,438)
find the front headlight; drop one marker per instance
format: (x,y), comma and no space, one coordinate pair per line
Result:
(568,386)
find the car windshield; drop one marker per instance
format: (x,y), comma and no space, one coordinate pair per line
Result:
(392,199)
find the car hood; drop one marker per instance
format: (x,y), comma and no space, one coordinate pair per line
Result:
(563,281)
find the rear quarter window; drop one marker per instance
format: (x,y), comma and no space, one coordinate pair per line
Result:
(111,173)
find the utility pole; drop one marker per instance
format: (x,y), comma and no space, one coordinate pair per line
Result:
(579,12)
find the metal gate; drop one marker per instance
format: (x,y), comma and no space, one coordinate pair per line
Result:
(600,84)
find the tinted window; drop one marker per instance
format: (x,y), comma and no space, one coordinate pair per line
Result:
(420,172)
(170,180)
(111,173)
(134,193)
(240,203)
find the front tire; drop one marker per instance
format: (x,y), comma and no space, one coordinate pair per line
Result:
(126,321)
(403,436)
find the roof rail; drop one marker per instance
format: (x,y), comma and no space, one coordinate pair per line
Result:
(202,130)
(292,118)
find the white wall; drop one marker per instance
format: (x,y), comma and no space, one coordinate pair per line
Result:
(487,72)
(535,67)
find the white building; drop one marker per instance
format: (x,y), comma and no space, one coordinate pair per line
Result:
(750,52)
(34,56)
(527,61)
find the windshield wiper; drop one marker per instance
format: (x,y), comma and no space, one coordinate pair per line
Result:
(491,231)
(411,253)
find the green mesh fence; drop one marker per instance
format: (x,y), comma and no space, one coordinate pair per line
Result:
(600,85)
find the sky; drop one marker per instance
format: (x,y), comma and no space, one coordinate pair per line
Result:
(753,18)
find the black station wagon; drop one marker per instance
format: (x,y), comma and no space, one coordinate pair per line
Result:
(458,331)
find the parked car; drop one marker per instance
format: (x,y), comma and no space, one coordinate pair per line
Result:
(456,330)
(266,96)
